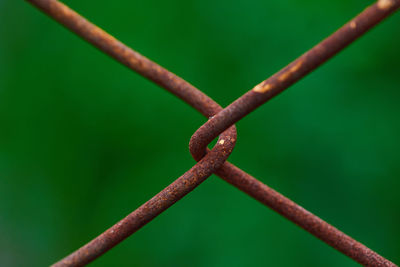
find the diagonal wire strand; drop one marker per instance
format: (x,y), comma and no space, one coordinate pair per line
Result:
(291,74)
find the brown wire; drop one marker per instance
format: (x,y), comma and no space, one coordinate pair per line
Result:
(211,161)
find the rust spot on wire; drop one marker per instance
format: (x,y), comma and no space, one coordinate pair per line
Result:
(296,66)
(262,88)
(386,4)
(222,123)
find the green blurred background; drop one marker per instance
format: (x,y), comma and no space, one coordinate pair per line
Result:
(84,141)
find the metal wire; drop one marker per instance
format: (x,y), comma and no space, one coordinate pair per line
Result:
(220,123)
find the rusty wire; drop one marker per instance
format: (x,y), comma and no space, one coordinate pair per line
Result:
(220,123)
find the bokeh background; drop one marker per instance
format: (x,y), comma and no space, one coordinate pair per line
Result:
(84,141)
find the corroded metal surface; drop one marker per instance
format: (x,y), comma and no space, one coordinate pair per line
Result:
(292,73)
(222,123)
(303,218)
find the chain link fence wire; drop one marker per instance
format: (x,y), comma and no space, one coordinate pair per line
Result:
(221,123)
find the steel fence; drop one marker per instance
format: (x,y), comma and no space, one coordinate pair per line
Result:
(221,123)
